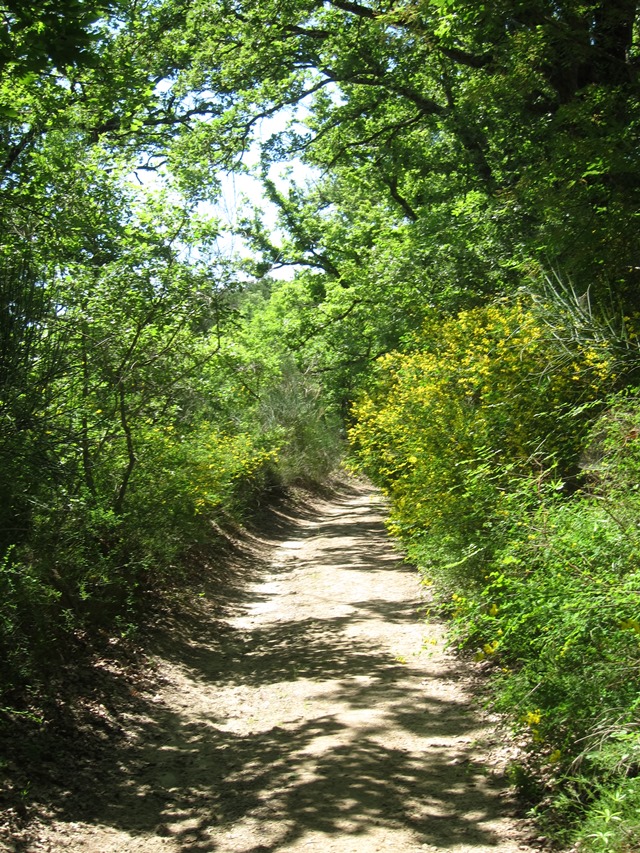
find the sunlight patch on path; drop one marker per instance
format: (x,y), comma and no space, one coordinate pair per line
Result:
(326,717)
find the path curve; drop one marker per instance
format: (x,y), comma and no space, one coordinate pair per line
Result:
(322,715)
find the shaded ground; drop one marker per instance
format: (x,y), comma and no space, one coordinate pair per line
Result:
(314,711)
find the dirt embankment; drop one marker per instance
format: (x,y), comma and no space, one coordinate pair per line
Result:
(315,711)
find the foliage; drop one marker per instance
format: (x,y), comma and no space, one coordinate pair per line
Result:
(285,384)
(486,139)
(452,154)
(558,614)
(37,35)
(483,402)
(125,422)
(612,819)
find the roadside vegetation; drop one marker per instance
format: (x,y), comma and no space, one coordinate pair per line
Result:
(438,259)
(513,467)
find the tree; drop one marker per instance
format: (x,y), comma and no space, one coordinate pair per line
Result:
(527,110)
(39,36)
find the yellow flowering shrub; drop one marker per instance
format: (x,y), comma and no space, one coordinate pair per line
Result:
(485,397)
(513,472)
(205,469)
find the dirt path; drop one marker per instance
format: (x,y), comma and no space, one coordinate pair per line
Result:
(321,715)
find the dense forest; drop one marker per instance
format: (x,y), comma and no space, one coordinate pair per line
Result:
(438,261)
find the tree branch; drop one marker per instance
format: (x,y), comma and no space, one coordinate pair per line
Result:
(392,183)
(354,8)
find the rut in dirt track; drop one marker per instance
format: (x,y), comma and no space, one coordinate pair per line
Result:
(322,715)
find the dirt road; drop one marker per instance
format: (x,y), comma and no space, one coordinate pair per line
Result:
(321,714)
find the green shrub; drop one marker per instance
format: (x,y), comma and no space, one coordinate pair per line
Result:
(28,602)
(612,820)
(468,429)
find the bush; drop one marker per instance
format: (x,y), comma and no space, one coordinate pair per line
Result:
(471,425)
(25,618)
(310,436)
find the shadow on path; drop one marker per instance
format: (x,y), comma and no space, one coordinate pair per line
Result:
(390,754)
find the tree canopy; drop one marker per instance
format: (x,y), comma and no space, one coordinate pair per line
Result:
(452,281)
